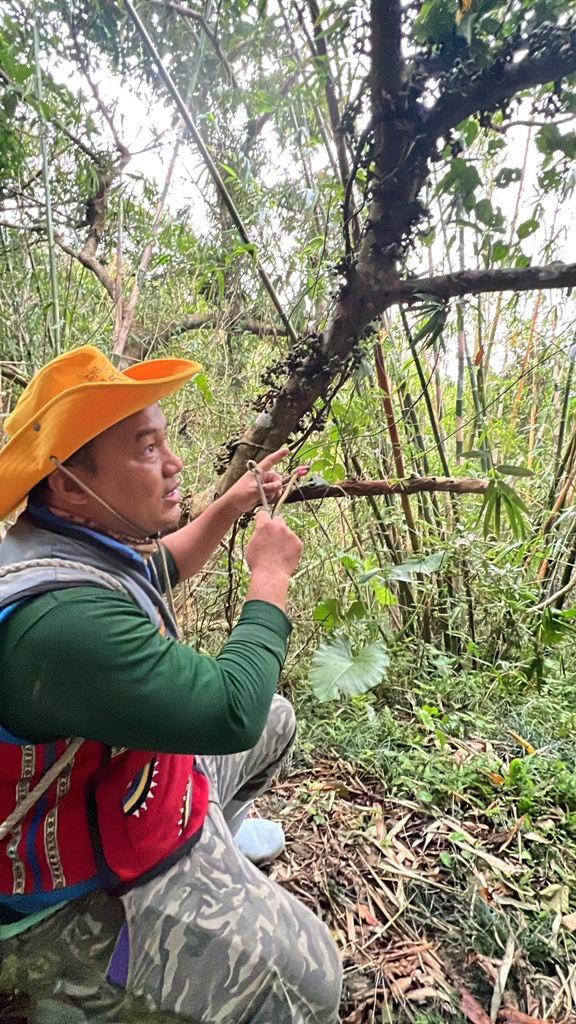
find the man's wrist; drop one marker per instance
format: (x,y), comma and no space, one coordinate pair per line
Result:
(268,573)
(269,585)
(228,506)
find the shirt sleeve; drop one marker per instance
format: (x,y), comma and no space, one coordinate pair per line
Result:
(86,662)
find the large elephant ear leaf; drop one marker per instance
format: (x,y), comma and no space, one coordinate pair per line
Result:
(334,669)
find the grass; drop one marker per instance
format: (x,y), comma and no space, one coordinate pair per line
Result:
(495,755)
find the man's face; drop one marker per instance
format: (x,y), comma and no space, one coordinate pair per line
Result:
(136,474)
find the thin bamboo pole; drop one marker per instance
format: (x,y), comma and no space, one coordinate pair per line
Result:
(54,297)
(210,165)
(384,384)
(527,354)
(513,223)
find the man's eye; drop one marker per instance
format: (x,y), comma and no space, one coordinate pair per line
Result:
(151,448)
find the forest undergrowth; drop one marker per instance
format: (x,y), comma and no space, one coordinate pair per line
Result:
(473,789)
(430,818)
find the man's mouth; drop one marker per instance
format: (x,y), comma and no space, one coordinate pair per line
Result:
(172,496)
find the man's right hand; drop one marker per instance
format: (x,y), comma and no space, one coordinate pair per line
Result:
(272,554)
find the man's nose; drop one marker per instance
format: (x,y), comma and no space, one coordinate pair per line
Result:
(172,464)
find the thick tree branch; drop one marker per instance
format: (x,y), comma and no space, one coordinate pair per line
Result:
(548,59)
(196,503)
(366,488)
(91,263)
(387,66)
(196,321)
(362,301)
(11,371)
(474,282)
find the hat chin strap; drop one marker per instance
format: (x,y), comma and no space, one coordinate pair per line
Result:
(96,497)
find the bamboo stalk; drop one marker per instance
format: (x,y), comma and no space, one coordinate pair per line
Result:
(211,166)
(533,411)
(54,297)
(527,353)
(384,385)
(500,299)
(426,395)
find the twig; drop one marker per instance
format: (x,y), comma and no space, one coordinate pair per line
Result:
(300,471)
(200,20)
(552,598)
(255,470)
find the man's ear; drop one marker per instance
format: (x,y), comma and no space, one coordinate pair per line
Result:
(65,492)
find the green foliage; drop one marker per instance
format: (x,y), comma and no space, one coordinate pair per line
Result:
(335,670)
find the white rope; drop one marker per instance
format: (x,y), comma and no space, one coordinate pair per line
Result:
(61,563)
(21,809)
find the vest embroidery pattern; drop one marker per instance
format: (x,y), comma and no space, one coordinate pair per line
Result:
(112,818)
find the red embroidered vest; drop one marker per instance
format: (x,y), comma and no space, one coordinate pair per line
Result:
(113,817)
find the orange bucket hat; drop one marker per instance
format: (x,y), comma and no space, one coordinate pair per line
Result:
(71,400)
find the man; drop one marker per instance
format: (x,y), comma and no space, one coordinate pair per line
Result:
(89,651)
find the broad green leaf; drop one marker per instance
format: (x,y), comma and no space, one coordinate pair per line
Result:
(329,613)
(370,574)
(427,565)
(528,227)
(384,596)
(507,470)
(357,610)
(499,251)
(506,176)
(335,670)
(203,387)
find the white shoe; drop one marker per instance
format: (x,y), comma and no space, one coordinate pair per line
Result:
(260,840)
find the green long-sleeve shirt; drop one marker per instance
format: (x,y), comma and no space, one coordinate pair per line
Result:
(88,662)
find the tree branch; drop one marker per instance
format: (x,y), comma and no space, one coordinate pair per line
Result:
(91,263)
(196,321)
(366,488)
(473,282)
(197,502)
(11,371)
(549,59)
(200,20)
(387,65)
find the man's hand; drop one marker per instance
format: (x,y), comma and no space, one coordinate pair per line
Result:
(272,554)
(244,495)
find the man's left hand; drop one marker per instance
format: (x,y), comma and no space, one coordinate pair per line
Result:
(244,494)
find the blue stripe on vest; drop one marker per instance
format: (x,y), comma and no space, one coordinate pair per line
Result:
(31,903)
(39,811)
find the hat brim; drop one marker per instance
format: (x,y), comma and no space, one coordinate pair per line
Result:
(76,416)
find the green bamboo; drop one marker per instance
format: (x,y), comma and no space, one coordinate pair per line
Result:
(426,395)
(55,307)
(210,165)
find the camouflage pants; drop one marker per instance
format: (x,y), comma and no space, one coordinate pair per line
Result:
(211,939)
